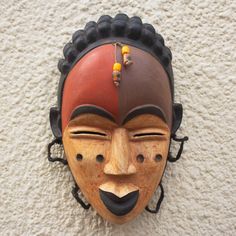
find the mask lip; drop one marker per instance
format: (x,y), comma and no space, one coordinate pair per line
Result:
(119,206)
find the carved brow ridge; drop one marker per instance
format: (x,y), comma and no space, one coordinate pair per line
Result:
(144,109)
(92,110)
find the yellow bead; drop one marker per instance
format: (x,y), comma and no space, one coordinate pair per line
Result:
(117,66)
(125,49)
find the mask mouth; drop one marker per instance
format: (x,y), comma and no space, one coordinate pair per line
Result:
(119,205)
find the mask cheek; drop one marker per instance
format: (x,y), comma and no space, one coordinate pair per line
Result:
(86,162)
(150,168)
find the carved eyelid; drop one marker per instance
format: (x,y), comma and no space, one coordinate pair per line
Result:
(88,131)
(148,132)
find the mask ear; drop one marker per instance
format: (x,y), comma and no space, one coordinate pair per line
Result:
(177,116)
(55,121)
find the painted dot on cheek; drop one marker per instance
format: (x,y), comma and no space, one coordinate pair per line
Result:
(79,157)
(140,158)
(100,158)
(158,157)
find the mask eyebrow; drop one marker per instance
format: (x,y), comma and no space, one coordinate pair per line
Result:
(92,109)
(145,109)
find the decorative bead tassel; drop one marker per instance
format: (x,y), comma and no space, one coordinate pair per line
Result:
(126,55)
(116,74)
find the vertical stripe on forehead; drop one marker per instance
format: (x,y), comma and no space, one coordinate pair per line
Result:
(90,82)
(144,82)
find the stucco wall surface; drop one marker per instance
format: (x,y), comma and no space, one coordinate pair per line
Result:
(200,189)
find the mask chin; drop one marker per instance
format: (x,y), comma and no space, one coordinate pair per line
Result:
(55,122)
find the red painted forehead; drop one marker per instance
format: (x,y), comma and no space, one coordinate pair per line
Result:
(90,83)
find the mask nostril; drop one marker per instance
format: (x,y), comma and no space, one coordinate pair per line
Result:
(100,158)
(79,157)
(140,158)
(158,157)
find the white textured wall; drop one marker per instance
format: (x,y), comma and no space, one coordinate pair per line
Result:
(200,189)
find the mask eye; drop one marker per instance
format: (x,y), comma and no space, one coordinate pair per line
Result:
(88,132)
(148,134)
(94,134)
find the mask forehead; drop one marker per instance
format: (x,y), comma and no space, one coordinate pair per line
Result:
(90,82)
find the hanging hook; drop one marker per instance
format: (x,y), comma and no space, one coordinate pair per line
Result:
(158,205)
(182,140)
(53,159)
(75,194)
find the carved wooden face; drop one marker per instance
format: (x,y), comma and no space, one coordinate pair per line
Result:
(116,140)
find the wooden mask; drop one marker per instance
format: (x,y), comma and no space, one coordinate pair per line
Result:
(116,115)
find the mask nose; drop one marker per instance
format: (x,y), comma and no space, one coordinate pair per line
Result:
(120,159)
